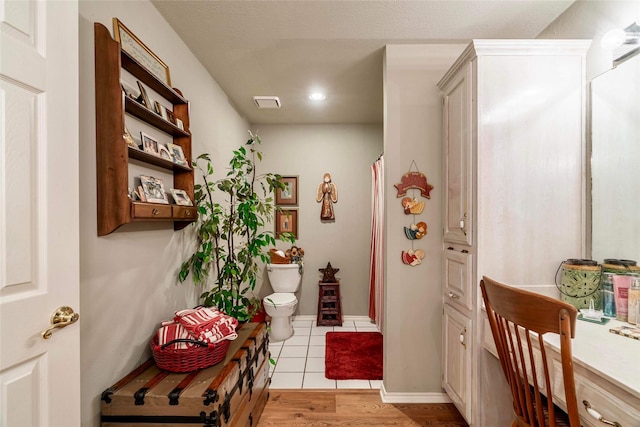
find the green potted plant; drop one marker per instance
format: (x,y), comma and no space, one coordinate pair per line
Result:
(231,240)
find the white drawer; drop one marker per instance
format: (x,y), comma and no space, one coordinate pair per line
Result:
(610,404)
(458,289)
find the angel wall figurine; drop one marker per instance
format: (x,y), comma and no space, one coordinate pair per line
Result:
(328,195)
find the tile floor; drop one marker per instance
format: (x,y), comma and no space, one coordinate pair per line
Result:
(300,359)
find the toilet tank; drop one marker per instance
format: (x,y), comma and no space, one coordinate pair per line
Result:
(284,277)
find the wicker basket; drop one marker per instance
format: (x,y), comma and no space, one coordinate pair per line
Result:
(278,259)
(202,355)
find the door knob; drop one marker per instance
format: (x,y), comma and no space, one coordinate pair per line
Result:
(63,316)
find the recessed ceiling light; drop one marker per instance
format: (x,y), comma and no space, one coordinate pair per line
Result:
(317,96)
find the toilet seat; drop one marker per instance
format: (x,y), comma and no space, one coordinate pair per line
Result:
(281,299)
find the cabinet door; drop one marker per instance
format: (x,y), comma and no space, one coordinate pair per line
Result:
(456,359)
(457,157)
(458,288)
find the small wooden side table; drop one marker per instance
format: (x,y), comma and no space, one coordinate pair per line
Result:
(329,308)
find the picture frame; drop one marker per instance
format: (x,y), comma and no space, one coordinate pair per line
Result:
(140,52)
(289,195)
(128,138)
(164,152)
(287,222)
(181,197)
(144,97)
(171,118)
(177,154)
(179,123)
(157,108)
(163,112)
(149,144)
(153,189)
(140,194)
(130,91)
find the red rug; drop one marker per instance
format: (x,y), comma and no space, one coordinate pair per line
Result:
(353,356)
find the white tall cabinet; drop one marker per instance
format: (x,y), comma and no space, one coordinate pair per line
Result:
(514,155)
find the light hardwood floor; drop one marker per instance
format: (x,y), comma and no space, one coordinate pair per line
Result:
(327,408)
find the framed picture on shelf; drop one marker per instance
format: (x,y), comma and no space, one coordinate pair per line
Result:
(287,222)
(289,195)
(177,154)
(130,91)
(163,112)
(144,96)
(140,52)
(128,138)
(179,123)
(149,145)
(157,108)
(153,189)
(181,197)
(171,117)
(140,194)
(164,152)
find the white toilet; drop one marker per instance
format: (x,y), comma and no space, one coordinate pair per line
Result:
(285,279)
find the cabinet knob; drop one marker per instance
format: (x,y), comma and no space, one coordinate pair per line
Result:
(187,213)
(155,211)
(453,296)
(462,336)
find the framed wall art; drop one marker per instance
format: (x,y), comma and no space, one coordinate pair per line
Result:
(140,52)
(289,195)
(287,222)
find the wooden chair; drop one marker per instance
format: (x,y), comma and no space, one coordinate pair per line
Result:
(532,315)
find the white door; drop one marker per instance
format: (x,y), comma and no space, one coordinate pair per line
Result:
(39,239)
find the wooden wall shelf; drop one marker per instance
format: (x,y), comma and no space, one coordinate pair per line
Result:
(112,152)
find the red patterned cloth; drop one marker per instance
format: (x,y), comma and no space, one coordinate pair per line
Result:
(171,331)
(208,324)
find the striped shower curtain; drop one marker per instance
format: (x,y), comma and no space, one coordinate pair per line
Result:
(376,270)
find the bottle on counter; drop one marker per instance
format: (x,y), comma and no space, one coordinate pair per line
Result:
(608,298)
(634,302)
(618,304)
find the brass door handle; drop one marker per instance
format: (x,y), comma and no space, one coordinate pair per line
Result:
(63,316)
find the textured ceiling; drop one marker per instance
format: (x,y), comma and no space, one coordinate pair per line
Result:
(286,48)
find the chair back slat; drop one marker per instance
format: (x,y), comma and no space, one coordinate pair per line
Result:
(534,376)
(517,318)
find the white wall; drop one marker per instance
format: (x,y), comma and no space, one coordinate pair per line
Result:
(346,152)
(412,131)
(127,279)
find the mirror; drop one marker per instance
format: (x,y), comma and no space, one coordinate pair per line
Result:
(615,162)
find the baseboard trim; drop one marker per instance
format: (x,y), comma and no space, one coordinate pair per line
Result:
(393,397)
(344,318)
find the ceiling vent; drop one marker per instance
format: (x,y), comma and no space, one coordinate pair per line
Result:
(267,101)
